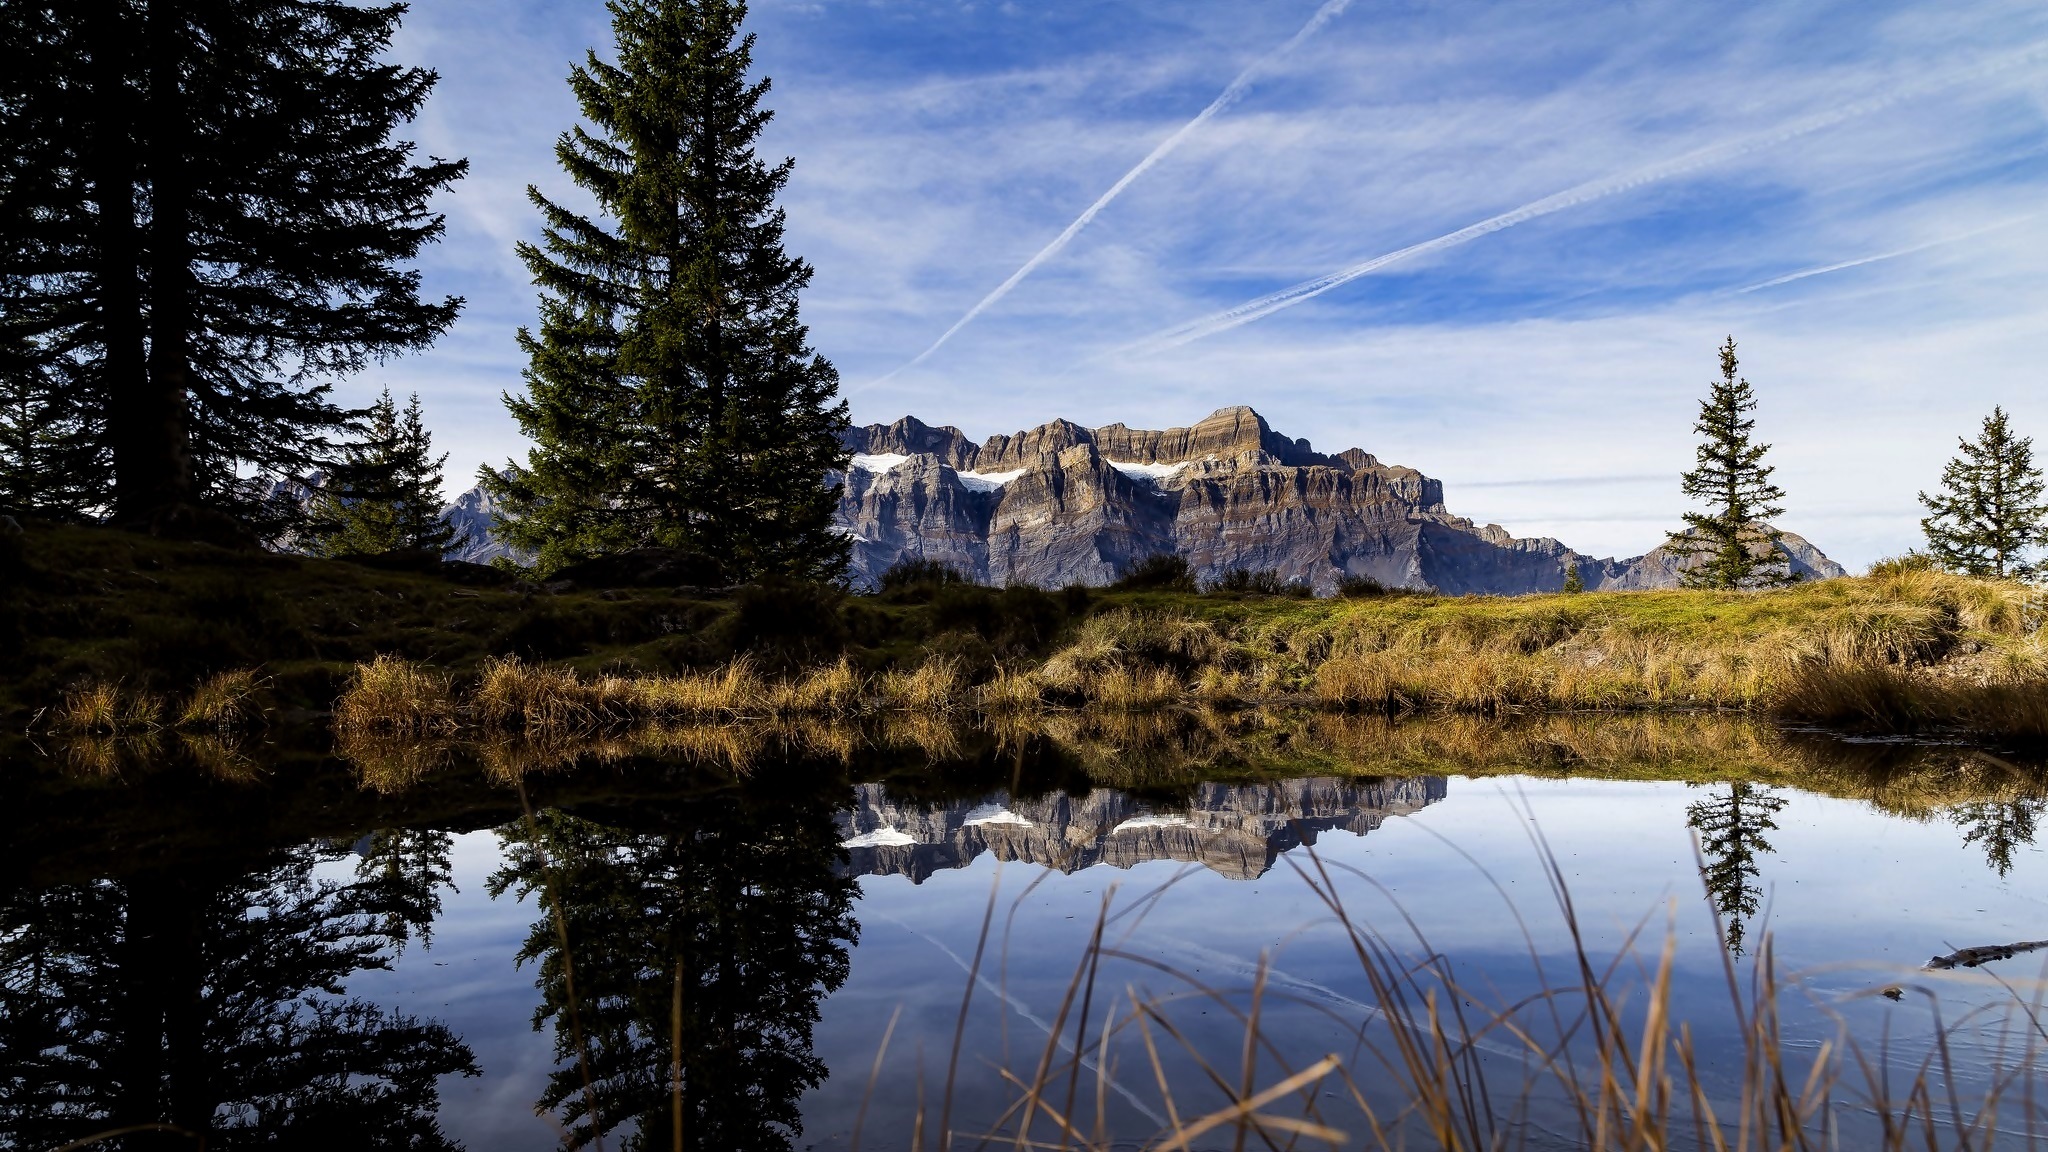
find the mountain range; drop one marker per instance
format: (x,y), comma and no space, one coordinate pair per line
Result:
(1062,504)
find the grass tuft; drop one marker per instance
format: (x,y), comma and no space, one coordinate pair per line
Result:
(107,708)
(224,702)
(395,697)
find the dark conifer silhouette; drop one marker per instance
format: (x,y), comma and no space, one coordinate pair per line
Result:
(52,459)
(1731,831)
(235,237)
(1732,540)
(721,917)
(671,394)
(1989,513)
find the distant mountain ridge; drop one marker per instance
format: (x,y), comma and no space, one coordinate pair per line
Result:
(1061,504)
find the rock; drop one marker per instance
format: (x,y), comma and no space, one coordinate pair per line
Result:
(1060,503)
(473,513)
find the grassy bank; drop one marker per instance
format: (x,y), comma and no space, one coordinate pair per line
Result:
(1902,653)
(109,632)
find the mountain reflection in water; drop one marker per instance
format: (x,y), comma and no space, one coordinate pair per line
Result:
(1234,830)
(647,939)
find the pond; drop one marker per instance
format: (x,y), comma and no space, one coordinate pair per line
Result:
(833,940)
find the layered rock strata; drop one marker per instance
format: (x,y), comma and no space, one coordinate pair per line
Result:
(1062,504)
(1237,831)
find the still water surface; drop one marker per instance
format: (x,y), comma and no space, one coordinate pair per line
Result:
(323,958)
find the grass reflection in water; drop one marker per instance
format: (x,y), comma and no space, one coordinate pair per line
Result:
(689,884)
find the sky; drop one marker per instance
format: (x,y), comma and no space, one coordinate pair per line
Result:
(1497,242)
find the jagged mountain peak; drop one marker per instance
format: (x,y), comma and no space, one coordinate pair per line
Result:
(1061,503)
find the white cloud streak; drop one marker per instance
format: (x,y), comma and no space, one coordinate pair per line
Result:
(1892,255)
(1231,94)
(1690,162)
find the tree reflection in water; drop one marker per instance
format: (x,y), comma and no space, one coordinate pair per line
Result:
(1731,832)
(211,999)
(2000,827)
(702,936)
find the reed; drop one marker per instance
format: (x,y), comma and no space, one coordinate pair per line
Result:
(1601,1058)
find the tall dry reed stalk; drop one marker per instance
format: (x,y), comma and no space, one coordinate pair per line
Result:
(1598,1059)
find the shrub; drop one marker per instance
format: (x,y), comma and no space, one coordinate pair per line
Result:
(1160,572)
(1259,582)
(786,618)
(915,578)
(1360,587)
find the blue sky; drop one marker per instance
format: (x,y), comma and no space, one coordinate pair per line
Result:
(1649,177)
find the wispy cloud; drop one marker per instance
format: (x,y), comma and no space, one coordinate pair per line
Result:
(1860,261)
(1691,162)
(1231,94)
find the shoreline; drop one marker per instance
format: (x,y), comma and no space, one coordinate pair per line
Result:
(114,632)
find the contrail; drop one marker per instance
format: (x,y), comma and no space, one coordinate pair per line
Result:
(1557,202)
(1892,255)
(1230,95)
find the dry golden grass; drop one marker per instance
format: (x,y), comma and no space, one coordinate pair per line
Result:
(933,688)
(1905,651)
(224,702)
(1009,691)
(1604,1058)
(394,697)
(833,690)
(107,708)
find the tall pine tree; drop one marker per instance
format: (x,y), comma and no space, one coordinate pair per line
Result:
(238,232)
(670,393)
(1731,542)
(385,496)
(52,458)
(1989,511)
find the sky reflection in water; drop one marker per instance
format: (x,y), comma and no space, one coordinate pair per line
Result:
(1199,880)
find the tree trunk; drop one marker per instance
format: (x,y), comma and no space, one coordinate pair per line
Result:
(161,463)
(117,244)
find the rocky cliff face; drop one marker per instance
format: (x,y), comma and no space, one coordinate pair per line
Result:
(1062,504)
(1237,831)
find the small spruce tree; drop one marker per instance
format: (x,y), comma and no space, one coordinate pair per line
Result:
(1989,511)
(386,494)
(1573,582)
(1736,546)
(671,395)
